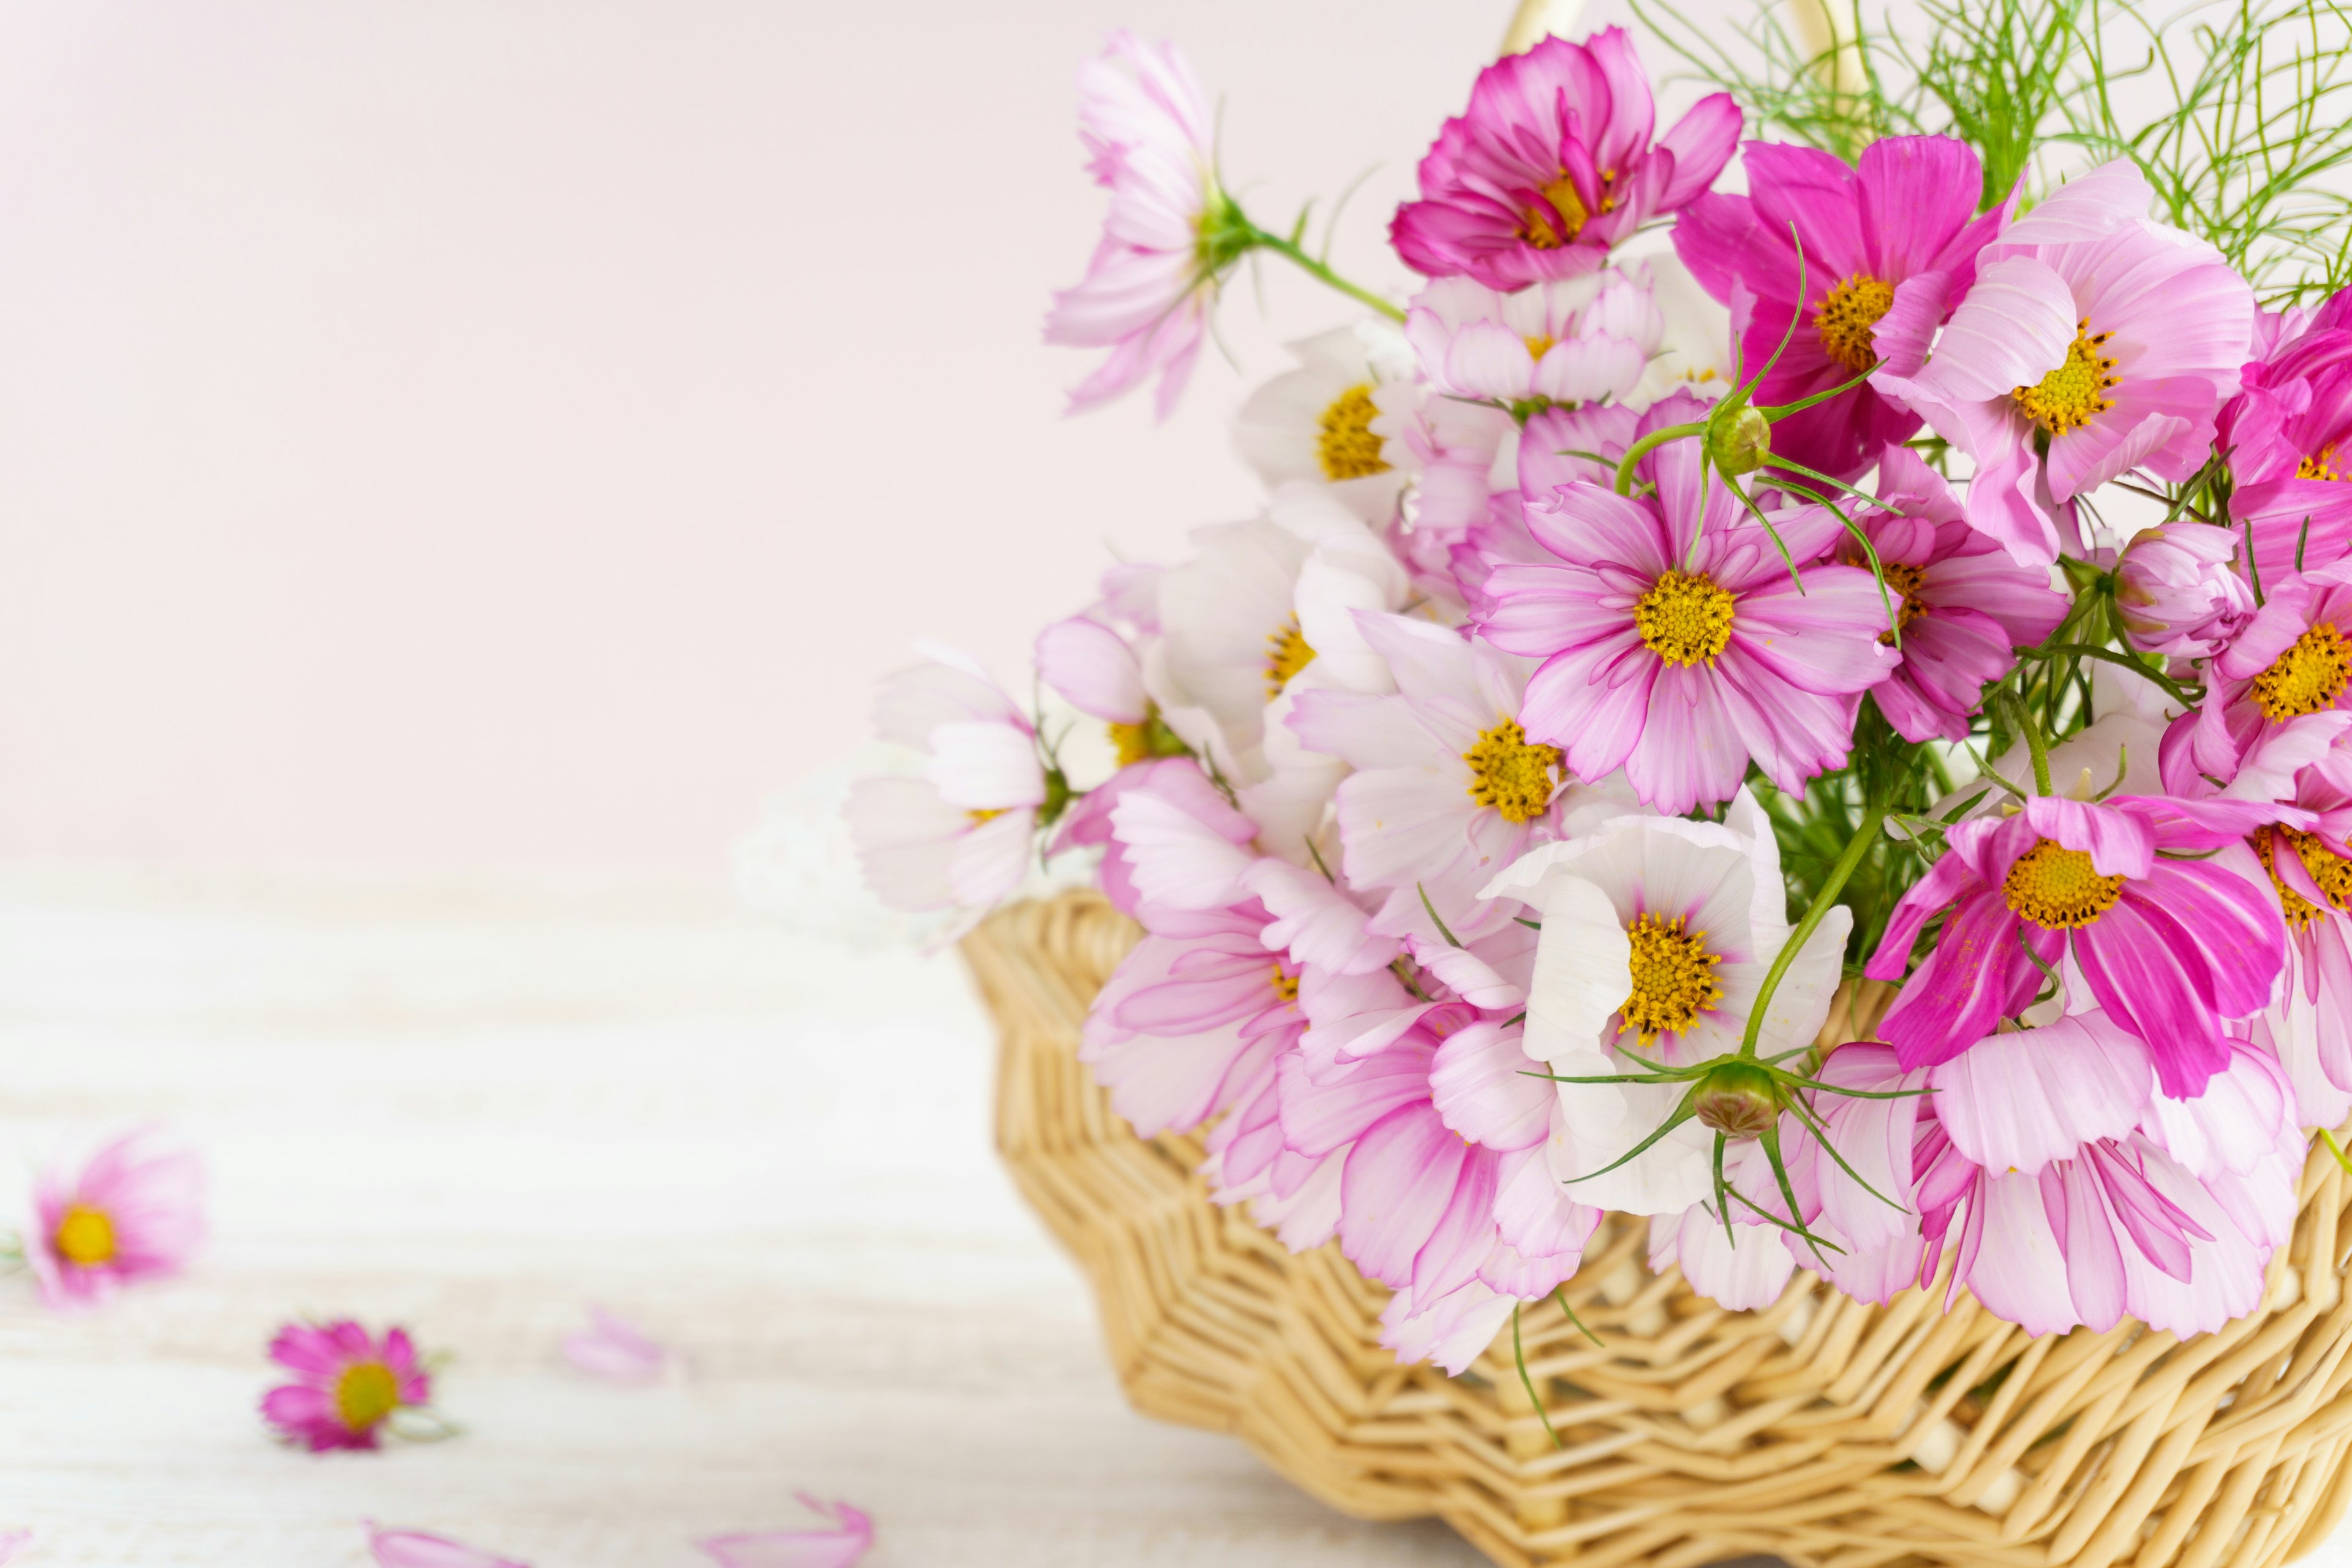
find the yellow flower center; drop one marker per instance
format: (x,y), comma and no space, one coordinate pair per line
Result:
(2055,886)
(2321,467)
(1286,984)
(1903,583)
(1848,315)
(1286,655)
(2330,871)
(2307,678)
(1131,741)
(1510,773)
(1344,442)
(1540,343)
(981,814)
(1674,978)
(1536,224)
(1684,618)
(365,1394)
(2067,399)
(85,1236)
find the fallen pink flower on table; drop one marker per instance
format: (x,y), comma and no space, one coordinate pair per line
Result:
(416,1549)
(613,1349)
(13,1541)
(850,1539)
(347,1383)
(133,1213)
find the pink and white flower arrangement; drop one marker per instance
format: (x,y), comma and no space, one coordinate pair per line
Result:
(1609,685)
(134,1211)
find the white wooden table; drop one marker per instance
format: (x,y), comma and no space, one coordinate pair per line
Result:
(474,1108)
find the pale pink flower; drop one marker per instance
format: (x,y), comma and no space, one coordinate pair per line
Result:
(2177,592)
(2308,1025)
(1574,340)
(347,1383)
(133,1213)
(1314,425)
(1149,289)
(960,835)
(614,1348)
(2112,338)
(11,1543)
(416,1549)
(848,1535)
(1676,642)
(1095,668)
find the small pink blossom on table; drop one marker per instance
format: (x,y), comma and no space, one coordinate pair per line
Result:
(847,1537)
(11,1543)
(348,1383)
(416,1549)
(133,1213)
(616,1349)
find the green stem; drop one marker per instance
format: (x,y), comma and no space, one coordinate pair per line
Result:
(2040,749)
(1856,847)
(1261,240)
(1647,445)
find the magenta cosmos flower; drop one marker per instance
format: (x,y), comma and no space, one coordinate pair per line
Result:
(2289,670)
(2171,948)
(2093,342)
(2289,440)
(1676,645)
(347,1383)
(1554,163)
(1962,604)
(1147,292)
(1888,249)
(133,1213)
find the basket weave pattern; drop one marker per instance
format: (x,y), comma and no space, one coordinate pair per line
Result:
(1819,1429)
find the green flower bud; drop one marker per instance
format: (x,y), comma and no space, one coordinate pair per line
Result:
(1740,442)
(1737,1101)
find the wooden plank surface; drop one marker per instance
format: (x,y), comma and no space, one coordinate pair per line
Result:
(474,1107)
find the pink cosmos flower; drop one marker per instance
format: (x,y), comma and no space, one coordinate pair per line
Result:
(1447,789)
(2172,948)
(616,1349)
(2288,670)
(2107,339)
(1571,340)
(847,1536)
(2178,593)
(2288,436)
(133,1213)
(1888,249)
(1147,290)
(347,1383)
(416,1549)
(1961,601)
(2309,1026)
(1314,425)
(959,836)
(1553,165)
(1675,643)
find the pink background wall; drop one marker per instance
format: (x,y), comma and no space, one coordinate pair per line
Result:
(452,433)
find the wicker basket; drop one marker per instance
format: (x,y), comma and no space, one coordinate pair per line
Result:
(1819,1430)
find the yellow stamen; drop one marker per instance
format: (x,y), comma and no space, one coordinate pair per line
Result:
(1510,773)
(1536,224)
(2055,886)
(2307,678)
(1286,984)
(1344,442)
(2319,467)
(1847,316)
(85,1235)
(365,1394)
(2067,399)
(1540,344)
(1674,978)
(2328,870)
(1686,619)
(981,814)
(1904,584)
(1287,655)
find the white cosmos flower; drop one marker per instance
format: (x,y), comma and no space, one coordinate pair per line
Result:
(1656,935)
(959,836)
(1266,608)
(1312,424)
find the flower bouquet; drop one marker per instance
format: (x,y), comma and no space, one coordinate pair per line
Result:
(1739,892)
